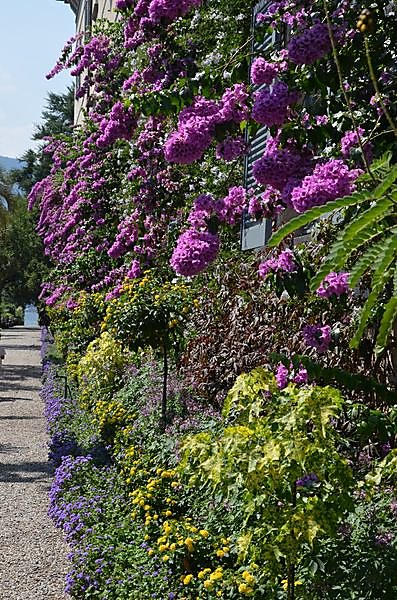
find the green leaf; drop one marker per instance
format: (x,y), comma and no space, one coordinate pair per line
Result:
(315,213)
(388,319)
(379,279)
(386,184)
(340,252)
(355,234)
(365,262)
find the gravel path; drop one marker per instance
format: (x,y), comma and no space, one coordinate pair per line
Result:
(33,559)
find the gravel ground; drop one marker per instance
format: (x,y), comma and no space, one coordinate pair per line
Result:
(33,560)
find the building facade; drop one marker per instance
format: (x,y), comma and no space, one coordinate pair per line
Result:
(86,13)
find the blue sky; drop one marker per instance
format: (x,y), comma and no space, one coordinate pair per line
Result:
(32,35)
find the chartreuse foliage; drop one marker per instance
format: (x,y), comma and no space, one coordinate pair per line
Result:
(100,371)
(148,312)
(277,457)
(366,244)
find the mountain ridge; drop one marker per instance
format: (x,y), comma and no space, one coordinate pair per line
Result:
(8,163)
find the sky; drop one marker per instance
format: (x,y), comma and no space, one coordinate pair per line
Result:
(32,35)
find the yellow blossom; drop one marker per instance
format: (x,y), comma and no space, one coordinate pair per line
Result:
(245,589)
(248,578)
(187,579)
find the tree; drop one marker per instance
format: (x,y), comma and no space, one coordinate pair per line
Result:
(57,119)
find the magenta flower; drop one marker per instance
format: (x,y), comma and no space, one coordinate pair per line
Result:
(309,46)
(334,284)
(317,336)
(282,376)
(194,251)
(263,71)
(284,263)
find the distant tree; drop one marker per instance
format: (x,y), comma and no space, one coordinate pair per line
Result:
(57,119)
(6,196)
(21,256)
(22,260)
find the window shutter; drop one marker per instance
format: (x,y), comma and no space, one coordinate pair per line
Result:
(254,234)
(88,16)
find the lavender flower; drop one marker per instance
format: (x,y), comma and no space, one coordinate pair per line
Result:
(282,376)
(334,284)
(317,336)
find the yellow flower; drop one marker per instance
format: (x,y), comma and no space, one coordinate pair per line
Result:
(248,578)
(220,553)
(284,583)
(208,584)
(165,558)
(187,579)
(189,544)
(204,533)
(216,575)
(243,588)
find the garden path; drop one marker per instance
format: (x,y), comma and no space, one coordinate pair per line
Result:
(33,556)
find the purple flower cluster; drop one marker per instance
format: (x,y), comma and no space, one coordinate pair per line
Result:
(95,53)
(271,105)
(266,206)
(263,71)
(327,182)
(170,10)
(185,259)
(317,336)
(120,125)
(124,4)
(194,251)
(197,123)
(309,46)
(126,237)
(350,142)
(231,148)
(230,208)
(285,375)
(277,166)
(282,376)
(334,284)
(283,263)
(307,481)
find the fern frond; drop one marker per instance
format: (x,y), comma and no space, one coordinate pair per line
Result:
(315,213)
(340,252)
(368,259)
(388,318)
(351,238)
(382,163)
(386,184)
(379,280)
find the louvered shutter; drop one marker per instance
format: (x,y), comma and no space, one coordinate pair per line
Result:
(254,234)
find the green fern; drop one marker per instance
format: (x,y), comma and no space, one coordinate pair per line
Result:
(314,213)
(367,244)
(380,277)
(388,319)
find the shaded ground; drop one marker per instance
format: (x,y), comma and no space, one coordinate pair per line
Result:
(33,559)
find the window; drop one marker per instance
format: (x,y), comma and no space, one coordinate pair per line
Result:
(254,234)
